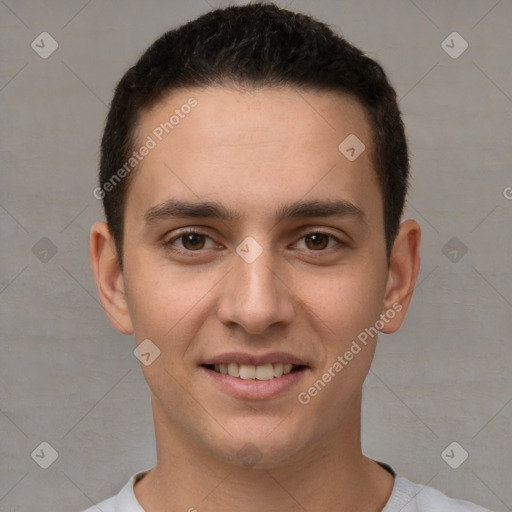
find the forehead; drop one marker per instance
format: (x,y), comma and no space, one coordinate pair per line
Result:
(255,147)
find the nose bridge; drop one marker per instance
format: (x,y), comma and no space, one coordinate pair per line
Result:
(255,298)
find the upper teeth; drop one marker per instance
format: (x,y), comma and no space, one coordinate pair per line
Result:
(249,371)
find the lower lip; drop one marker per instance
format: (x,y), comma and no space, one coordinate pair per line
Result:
(253,389)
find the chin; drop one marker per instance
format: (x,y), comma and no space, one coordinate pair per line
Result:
(260,450)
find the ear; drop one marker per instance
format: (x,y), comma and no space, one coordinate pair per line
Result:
(403,272)
(109,278)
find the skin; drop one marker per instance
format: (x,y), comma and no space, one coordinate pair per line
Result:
(254,151)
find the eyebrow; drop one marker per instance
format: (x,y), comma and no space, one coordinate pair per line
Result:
(209,209)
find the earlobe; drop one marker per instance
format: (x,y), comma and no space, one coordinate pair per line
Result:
(403,272)
(109,278)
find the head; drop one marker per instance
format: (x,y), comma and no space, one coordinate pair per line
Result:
(250,233)
(254,46)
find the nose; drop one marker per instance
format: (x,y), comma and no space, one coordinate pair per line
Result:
(255,296)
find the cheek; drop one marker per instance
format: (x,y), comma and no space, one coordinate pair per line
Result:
(167,310)
(156,300)
(347,301)
(158,294)
(168,305)
(152,307)
(346,308)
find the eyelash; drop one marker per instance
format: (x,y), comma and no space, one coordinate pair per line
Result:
(169,244)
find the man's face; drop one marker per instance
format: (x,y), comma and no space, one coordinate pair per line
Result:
(269,283)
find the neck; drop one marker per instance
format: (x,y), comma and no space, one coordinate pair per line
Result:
(333,475)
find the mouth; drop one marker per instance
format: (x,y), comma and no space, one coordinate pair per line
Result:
(256,377)
(255,372)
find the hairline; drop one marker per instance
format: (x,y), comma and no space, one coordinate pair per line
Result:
(233,84)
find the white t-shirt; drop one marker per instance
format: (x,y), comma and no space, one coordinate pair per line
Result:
(405,497)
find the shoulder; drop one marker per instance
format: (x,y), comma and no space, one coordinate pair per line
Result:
(124,501)
(408,496)
(105,506)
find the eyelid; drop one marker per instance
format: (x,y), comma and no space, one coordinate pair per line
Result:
(183,232)
(311,230)
(321,231)
(186,231)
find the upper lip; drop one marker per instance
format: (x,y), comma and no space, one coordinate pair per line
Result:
(255,360)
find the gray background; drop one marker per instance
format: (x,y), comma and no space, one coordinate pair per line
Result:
(68,378)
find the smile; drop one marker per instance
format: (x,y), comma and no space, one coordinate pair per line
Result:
(255,376)
(254,372)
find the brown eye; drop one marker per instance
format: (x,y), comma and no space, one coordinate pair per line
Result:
(317,241)
(189,242)
(320,242)
(193,241)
